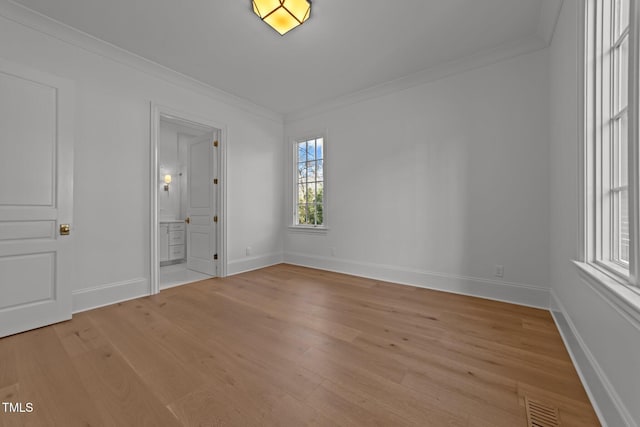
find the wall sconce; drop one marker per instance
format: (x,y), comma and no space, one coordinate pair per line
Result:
(167,181)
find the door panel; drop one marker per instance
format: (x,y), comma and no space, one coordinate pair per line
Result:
(36,167)
(201,238)
(199,174)
(20,230)
(28,132)
(36,274)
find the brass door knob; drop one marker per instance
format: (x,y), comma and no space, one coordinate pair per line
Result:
(64,229)
(188,220)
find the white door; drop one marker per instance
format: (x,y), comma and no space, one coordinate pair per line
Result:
(201,206)
(36,198)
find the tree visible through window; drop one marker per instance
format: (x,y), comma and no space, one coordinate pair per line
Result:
(310,182)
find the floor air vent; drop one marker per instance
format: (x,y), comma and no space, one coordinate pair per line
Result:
(540,414)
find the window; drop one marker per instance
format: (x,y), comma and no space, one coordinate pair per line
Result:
(611,122)
(618,87)
(309,195)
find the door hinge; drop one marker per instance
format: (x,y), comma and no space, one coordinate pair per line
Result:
(215,218)
(215,143)
(215,180)
(215,257)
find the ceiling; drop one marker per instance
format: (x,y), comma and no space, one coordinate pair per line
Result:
(345,47)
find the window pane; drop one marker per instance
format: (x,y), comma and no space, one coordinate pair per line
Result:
(620,252)
(624,226)
(619,199)
(311,191)
(310,165)
(319,148)
(302,214)
(319,193)
(311,150)
(620,152)
(624,151)
(312,214)
(320,170)
(319,215)
(622,7)
(302,151)
(623,72)
(302,172)
(311,170)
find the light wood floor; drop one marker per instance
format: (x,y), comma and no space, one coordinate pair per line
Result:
(292,346)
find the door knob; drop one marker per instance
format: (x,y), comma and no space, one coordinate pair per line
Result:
(64,229)
(188,220)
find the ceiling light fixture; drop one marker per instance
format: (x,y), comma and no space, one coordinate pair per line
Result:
(283,15)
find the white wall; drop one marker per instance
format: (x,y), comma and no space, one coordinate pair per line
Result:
(611,344)
(436,184)
(112,126)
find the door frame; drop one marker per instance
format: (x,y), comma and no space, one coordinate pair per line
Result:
(157,112)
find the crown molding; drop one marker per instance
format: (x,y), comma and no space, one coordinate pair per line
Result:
(36,21)
(437,72)
(549,14)
(550,10)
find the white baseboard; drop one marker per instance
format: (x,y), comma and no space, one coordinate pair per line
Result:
(608,406)
(253,263)
(516,293)
(111,293)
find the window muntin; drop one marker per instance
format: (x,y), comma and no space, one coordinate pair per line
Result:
(309,182)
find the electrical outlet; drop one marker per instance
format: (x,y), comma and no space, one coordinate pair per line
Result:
(248,251)
(499,270)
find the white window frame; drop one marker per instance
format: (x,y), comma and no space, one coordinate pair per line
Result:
(293,225)
(614,282)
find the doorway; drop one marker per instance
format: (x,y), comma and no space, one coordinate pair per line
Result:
(187,195)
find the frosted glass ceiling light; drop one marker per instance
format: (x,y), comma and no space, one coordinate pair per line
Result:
(283,15)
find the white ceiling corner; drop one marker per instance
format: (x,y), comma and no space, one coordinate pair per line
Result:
(549,14)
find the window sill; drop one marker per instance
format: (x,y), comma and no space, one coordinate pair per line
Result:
(622,297)
(308,230)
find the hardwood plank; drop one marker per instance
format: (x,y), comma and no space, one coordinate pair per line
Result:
(160,370)
(48,379)
(8,367)
(11,394)
(347,408)
(120,396)
(497,406)
(401,401)
(289,345)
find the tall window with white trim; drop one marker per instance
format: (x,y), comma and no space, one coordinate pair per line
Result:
(609,142)
(619,87)
(309,188)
